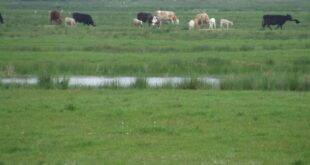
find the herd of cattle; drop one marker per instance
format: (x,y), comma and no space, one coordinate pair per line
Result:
(156,20)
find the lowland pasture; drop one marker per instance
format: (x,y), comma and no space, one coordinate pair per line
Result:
(259,115)
(153,126)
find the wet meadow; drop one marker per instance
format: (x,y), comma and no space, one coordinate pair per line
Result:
(259,113)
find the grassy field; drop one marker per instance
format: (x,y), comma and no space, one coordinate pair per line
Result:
(28,46)
(229,125)
(153,127)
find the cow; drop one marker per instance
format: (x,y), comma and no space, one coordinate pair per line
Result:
(145,17)
(137,23)
(278,20)
(202,19)
(55,17)
(225,23)
(1,19)
(83,18)
(212,24)
(70,22)
(155,22)
(167,16)
(193,24)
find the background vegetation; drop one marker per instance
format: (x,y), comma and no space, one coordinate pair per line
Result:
(29,46)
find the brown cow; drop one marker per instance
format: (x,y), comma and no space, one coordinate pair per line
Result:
(167,16)
(55,17)
(203,18)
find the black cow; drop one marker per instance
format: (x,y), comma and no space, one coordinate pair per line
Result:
(83,18)
(145,17)
(278,20)
(1,19)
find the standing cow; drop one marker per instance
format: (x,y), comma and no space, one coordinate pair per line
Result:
(225,23)
(145,17)
(169,16)
(55,17)
(278,20)
(212,24)
(83,18)
(202,19)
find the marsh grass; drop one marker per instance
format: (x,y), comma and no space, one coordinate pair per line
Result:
(140,83)
(267,81)
(48,81)
(193,83)
(45,81)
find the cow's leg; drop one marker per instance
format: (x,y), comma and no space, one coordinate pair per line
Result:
(269,27)
(263,25)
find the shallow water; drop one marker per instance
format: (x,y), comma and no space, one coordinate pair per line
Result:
(97,81)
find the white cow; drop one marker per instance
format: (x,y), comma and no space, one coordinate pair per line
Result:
(225,23)
(212,24)
(167,16)
(70,22)
(193,24)
(136,22)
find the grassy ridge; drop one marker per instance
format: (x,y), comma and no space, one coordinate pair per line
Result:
(153,127)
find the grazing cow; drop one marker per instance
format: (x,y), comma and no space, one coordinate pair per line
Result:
(1,19)
(55,17)
(70,22)
(212,23)
(225,23)
(145,17)
(203,18)
(167,16)
(83,18)
(278,20)
(137,23)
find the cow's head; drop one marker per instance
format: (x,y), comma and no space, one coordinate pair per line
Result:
(155,21)
(177,21)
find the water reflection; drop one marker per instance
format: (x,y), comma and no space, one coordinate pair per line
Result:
(97,81)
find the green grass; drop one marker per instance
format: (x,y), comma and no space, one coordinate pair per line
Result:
(147,126)
(168,125)
(115,48)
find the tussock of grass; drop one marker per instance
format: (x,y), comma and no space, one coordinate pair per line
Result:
(140,83)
